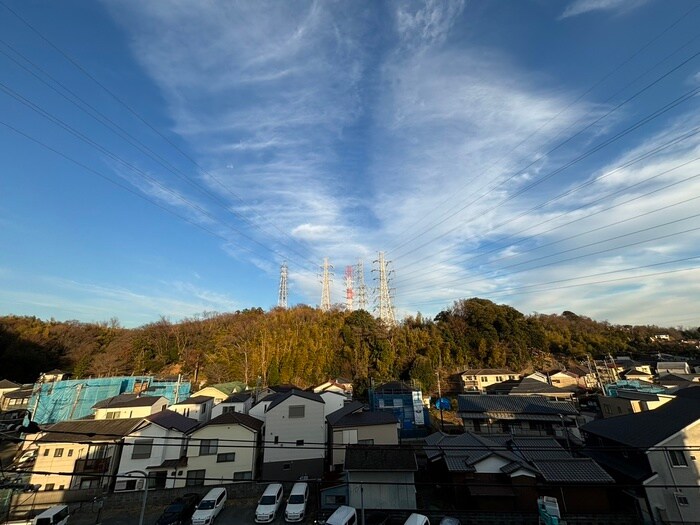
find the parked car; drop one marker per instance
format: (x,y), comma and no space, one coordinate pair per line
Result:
(296,504)
(343,515)
(26,459)
(449,520)
(180,511)
(417,519)
(269,503)
(210,506)
(57,515)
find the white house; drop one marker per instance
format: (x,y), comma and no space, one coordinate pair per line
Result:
(672,367)
(223,450)
(241,403)
(295,436)
(333,401)
(198,408)
(477,379)
(156,446)
(126,406)
(338,385)
(6,387)
(259,409)
(220,391)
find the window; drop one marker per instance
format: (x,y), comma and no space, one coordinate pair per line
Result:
(142,449)
(49,486)
(484,379)
(186,412)
(228,410)
(70,452)
(286,466)
(58,453)
(296,411)
(225,458)
(277,439)
(499,378)
(242,475)
(208,447)
(365,441)
(608,410)
(511,378)
(681,499)
(195,478)
(46,452)
(677,458)
(61,487)
(112,415)
(300,442)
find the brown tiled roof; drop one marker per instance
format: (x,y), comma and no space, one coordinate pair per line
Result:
(89,430)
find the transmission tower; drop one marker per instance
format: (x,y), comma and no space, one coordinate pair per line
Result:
(326,280)
(282,297)
(386,310)
(348,289)
(360,285)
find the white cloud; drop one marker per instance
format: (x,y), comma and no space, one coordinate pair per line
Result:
(579,7)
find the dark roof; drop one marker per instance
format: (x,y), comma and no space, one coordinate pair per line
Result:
(366,418)
(6,383)
(463,451)
(238,398)
(126,401)
(283,388)
(173,420)
(347,408)
(19,394)
(515,405)
(85,430)
(236,418)
(488,371)
(539,448)
(55,372)
(195,400)
(646,429)
(395,387)
(300,393)
(526,385)
(170,464)
(572,470)
(384,459)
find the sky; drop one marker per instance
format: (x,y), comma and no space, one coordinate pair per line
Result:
(166,158)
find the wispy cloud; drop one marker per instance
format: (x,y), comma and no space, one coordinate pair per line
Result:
(579,7)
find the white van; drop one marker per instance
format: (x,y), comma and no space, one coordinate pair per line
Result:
(296,504)
(57,515)
(343,515)
(269,503)
(210,506)
(417,519)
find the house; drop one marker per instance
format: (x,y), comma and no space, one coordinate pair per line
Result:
(274,389)
(221,391)
(295,436)
(259,409)
(53,375)
(223,450)
(653,454)
(678,381)
(381,478)
(338,385)
(477,379)
(198,408)
(518,415)
(630,402)
(563,379)
(672,367)
(637,373)
(529,387)
(127,406)
(332,401)
(405,403)
(83,454)
(240,403)
(353,425)
(7,386)
(18,399)
(507,474)
(156,446)
(586,377)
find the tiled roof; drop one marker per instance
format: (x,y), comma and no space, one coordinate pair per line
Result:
(6,383)
(366,418)
(299,393)
(241,397)
(347,408)
(195,400)
(127,401)
(384,459)
(395,387)
(572,470)
(463,451)
(539,448)
(525,386)
(515,405)
(236,418)
(173,420)
(646,429)
(85,430)
(488,371)
(18,394)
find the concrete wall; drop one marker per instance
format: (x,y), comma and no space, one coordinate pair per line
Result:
(398,492)
(291,470)
(47,461)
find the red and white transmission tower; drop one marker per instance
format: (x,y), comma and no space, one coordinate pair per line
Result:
(349,294)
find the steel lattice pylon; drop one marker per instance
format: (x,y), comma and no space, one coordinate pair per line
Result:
(326,279)
(384,304)
(282,296)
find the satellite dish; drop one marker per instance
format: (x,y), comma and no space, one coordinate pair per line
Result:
(443,404)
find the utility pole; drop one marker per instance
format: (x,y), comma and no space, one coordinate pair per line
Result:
(326,280)
(360,286)
(386,310)
(349,292)
(282,296)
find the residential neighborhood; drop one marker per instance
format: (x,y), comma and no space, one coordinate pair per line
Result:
(630,454)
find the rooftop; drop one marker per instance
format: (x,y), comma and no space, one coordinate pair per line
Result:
(127,401)
(526,386)
(195,400)
(365,418)
(364,458)
(89,430)
(487,372)
(237,418)
(6,383)
(395,387)
(514,405)
(280,397)
(172,420)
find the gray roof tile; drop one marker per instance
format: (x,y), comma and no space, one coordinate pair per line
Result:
(572,470)
(514,404)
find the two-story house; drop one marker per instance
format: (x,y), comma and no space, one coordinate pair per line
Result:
(241,403)
(156,446)
(220,391)
(477,379)
(295,436)
(529,387)
(339,385)
(655,454)
(198,408)
(352,425)
(224,450)
(406,403)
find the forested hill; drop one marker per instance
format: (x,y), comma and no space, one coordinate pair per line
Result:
(303,345)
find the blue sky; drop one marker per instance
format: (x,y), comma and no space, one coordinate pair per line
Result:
(538,153)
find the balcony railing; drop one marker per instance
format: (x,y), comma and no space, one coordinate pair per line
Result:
(99,465)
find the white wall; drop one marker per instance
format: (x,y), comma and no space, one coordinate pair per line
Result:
(333,401)
(232,439)
(132,412)
(199,412)
(311,429)
(240,407)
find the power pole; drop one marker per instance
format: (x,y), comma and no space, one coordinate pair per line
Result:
(386,310)
(282,296)
(360,286)
(326,279)
(349,292)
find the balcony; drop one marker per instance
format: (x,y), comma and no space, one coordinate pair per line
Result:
(90,466)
